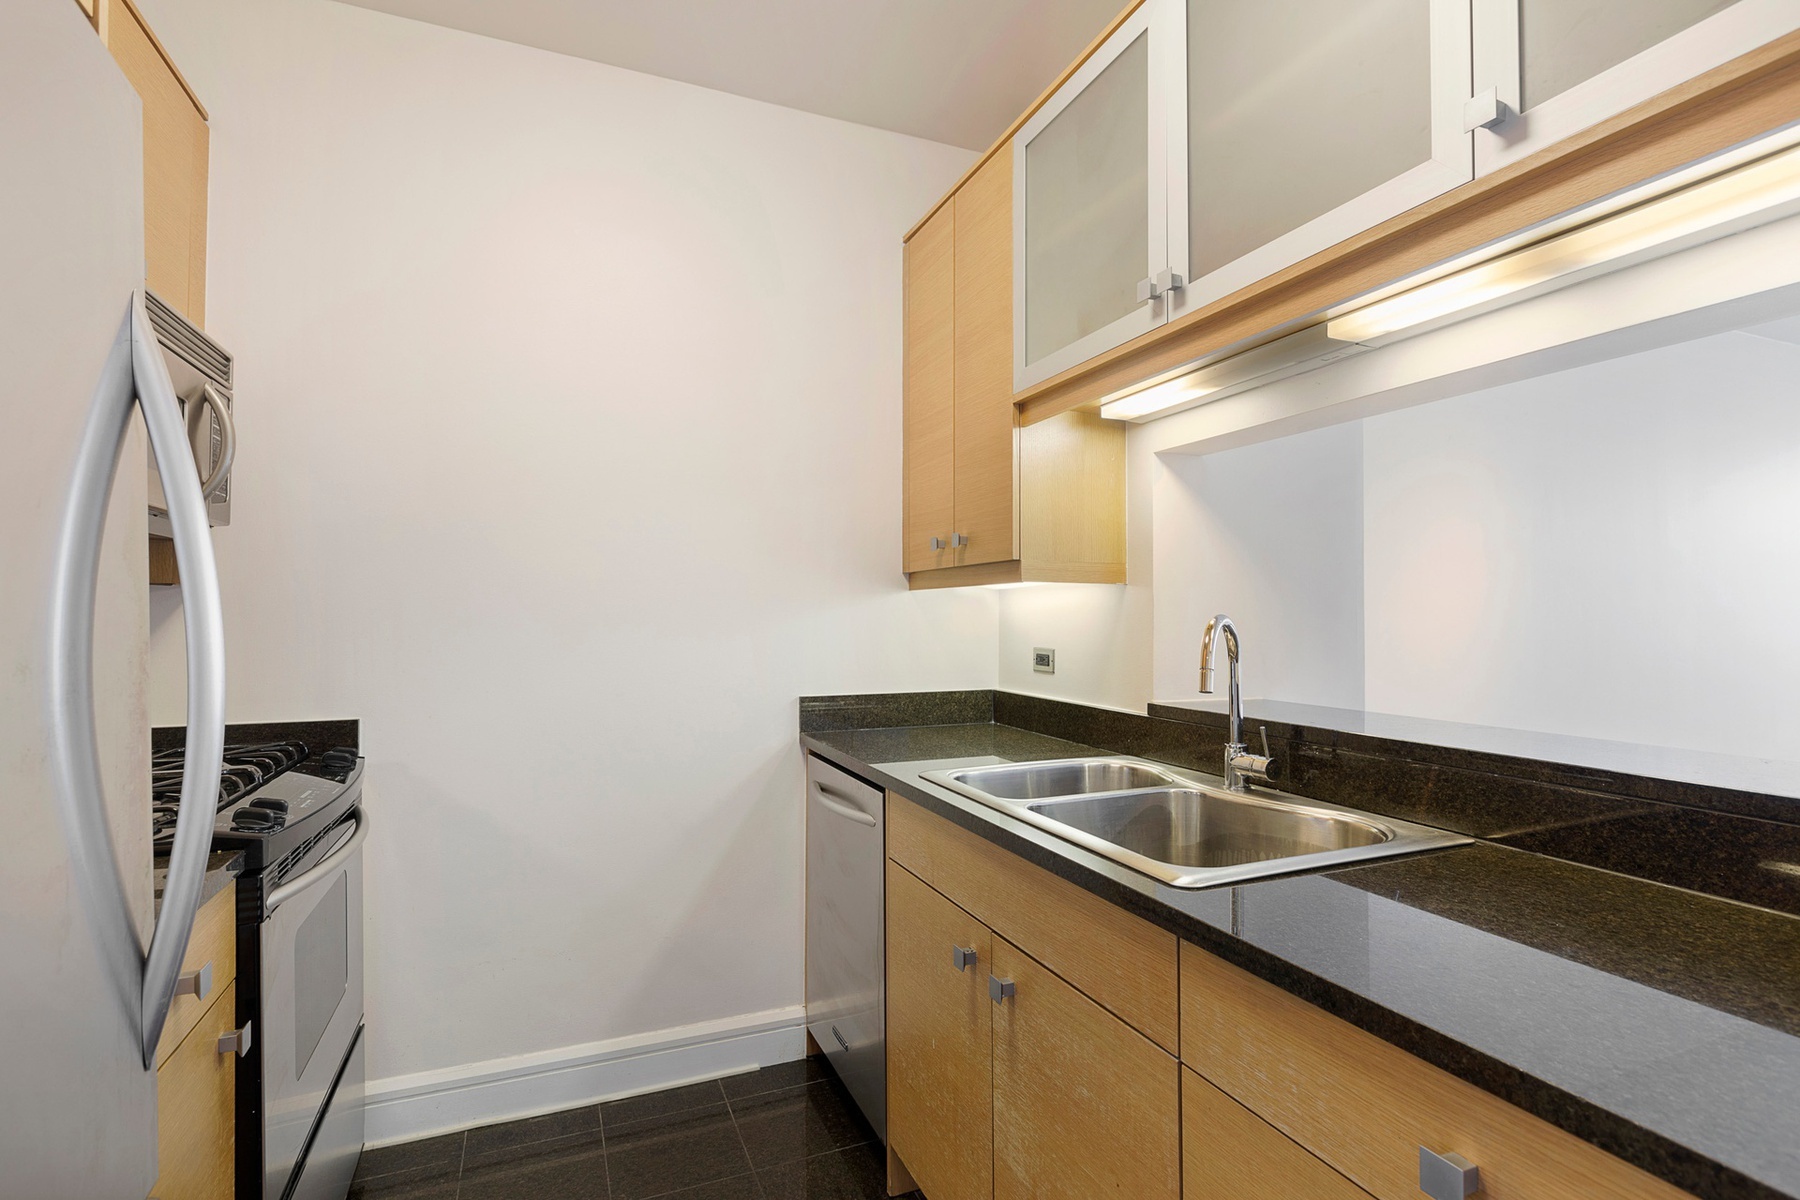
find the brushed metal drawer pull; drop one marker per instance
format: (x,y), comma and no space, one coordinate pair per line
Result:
(1447,1176)
(197,984)
(962,959)
(999,989)
(236,1042)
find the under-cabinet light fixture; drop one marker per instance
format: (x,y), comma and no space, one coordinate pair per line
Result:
(1739,199)
(1726,201)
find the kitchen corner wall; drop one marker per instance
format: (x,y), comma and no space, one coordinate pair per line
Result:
(570,407)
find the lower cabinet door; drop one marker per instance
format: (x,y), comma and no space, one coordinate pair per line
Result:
(939,1023)
(1230,1153)
(1084,1105)
(196,1103)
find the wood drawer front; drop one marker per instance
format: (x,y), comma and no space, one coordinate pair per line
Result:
(939,1023)
(1084,1105)
(1127,964)
(1229,1153)
(214,941)
(196,1107)
(1366,1107)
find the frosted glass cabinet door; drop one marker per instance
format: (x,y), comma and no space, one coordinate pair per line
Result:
(1560,66)
(1089,206)
(1308,121)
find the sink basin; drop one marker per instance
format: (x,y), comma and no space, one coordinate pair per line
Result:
(1183,830)
(1188,827)
(1062,777)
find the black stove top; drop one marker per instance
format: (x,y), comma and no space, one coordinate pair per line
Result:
(273,796)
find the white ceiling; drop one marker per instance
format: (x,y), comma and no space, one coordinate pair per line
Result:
(953,71)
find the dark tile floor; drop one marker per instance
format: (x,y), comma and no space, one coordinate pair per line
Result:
(787,1132)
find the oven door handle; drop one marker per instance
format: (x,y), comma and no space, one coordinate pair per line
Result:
(333,861)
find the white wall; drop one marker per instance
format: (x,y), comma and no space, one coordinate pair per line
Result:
(1271,535)
(570,405)
(1610,552)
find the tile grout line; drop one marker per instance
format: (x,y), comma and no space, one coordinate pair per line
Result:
(731,1111)
(605,1155)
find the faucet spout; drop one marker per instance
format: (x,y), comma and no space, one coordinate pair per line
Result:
(1240,765)
(1216,626)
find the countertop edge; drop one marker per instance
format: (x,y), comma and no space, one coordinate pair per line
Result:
(1649,1151)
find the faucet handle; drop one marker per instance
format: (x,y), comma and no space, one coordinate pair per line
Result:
(1265,738)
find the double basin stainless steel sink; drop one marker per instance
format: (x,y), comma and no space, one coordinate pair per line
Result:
(1181,829)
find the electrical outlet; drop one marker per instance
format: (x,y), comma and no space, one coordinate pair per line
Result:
(1043,660)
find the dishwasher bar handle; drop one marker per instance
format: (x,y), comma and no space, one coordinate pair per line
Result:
(843,806)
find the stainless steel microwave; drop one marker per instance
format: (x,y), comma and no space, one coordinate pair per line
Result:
(201,371)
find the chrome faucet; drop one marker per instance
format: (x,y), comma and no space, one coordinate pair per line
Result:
(1241,767)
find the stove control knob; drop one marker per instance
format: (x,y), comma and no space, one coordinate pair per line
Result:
(274,806)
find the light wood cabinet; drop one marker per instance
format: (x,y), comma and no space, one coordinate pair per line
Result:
(1041,1090)
(1365,1108)
(212,949)
(940,1095)
(196,1085)
(1084,1105)
(1128,965)
(196,1111)
(175,160)
(1229,1153)
(1064,1082)
(985,502)
(930,395)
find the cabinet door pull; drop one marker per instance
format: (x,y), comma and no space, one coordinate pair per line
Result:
(197,984)
(962,959)
(1447,1176)
(938,543)
(1486,111)
(958,540)
(999,989)
(236,1042)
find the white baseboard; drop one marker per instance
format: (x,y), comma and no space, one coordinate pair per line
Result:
(405,1107)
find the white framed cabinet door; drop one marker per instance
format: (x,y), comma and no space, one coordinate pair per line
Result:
(1554,67)
(1305,122)
(1090,200)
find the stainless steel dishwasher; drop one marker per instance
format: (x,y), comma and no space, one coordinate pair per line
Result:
(845,986)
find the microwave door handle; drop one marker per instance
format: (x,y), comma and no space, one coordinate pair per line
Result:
(200,436)
(326,867)
(135,370)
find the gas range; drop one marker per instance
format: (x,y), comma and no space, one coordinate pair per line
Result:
(274,797)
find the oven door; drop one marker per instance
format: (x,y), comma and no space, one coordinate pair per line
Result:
(312,988)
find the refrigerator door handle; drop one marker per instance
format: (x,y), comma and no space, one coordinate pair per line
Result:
(135,370)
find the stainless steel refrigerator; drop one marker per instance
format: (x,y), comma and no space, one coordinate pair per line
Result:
(86,971)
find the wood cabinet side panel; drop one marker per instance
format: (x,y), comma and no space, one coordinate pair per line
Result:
(1084,1105)
(1072,493)
(1125,963)
(940,1090)
(1229,1153)
(176,144)
(196,1107)
(928,421)
(986,441)
(1365,1107)
(214,941)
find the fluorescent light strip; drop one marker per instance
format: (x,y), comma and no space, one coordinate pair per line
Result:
(1750,195)
(1765,189)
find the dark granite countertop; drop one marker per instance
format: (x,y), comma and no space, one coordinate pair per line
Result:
(222,866)
(1657,1023)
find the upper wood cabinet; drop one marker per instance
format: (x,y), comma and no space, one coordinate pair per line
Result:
(175,159)
(985,502)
